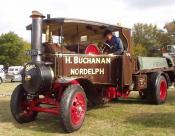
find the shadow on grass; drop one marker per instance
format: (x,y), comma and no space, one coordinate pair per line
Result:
(132,101)
(96,107)
(161,120)
(137,100)
(44,122)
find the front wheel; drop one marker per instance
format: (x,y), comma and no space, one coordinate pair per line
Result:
(73,108)
(20,107)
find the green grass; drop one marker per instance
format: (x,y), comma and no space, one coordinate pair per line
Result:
(126,117)
(8,87)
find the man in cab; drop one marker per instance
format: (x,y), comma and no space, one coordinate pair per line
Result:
(115,43)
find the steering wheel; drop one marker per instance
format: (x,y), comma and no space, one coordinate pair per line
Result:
(104,47)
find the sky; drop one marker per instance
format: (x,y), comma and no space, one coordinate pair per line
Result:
(14,15)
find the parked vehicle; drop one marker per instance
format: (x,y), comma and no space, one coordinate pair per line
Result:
(14,73)
(68,80)
(2,74)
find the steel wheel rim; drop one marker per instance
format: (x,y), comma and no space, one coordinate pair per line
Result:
(163,90)
(78,109)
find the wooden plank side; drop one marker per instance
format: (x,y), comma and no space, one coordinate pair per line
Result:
(152,62)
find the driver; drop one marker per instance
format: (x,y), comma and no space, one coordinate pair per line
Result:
(114,42)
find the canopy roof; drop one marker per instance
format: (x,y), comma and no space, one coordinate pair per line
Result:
(73,27)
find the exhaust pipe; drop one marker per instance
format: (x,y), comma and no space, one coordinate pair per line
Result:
(36,35)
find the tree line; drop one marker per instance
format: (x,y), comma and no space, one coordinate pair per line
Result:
(147,40)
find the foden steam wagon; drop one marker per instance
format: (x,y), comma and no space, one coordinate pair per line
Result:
(72,67)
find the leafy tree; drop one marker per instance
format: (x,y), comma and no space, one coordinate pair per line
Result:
(144,34)
(150,38)
(12,49)
(163,39)
(170,27)
(139,50)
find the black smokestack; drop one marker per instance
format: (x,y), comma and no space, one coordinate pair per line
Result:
(36,35)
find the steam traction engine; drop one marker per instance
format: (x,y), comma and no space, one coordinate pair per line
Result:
(63,80)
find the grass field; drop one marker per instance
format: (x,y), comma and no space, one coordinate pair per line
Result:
(124,118)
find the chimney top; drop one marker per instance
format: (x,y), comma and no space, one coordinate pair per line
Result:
(37,14)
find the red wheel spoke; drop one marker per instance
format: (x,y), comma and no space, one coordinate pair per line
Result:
(78,108)
(163,90)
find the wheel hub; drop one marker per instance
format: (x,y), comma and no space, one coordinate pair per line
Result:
(78,109)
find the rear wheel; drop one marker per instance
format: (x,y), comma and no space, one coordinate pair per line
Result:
(158,89)
(20,107)
(73,108)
